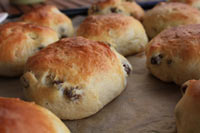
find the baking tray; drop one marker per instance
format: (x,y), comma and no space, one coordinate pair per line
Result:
(145,106)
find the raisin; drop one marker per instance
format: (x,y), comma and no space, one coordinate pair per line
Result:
(25,82)
(40,47)
(183,88)
(115,10)
(63,36)
(156,60)
(132,14)
(61,30)
(71,93)
(127,68)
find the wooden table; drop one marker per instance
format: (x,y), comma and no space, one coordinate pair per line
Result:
(5,5)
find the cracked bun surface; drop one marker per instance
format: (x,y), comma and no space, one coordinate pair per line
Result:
(188,108)
(125,7)
(166,15)
(194,3)
(75,77)
(17,116)
(173,55)
(124,33)
(51,17)
(18,41)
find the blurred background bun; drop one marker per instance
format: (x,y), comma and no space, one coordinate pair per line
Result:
(166,15)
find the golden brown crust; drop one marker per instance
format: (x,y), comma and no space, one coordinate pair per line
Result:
(117,6)
(124,33)
(18,41)
(181,42)
(50,16)
(97,25)
(75,77)
(79,51)
(171,14)
(43,15)
(17,116)
(13,33)
(178,53)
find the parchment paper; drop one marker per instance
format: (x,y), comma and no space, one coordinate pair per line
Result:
(146,105)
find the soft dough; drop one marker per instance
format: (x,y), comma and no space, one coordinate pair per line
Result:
(166,15)
(125,7)
(18,41)
(173,55)
(51,17)
(124,33)
(75,77)
(188,108)
(17,116)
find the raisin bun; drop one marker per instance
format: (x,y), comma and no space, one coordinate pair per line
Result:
(17,116)
(194,3)
(124,33)
(50,16)
(124,7)
(188,108)
(166,15)
(75,77)
(172,56)
(18,41)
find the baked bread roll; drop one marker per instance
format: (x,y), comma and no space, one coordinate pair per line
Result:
(173,55)
(125,7)
(188,108)
(75,77)
(124,33)
(194,3)
(166,15)
(50,16)
(17,116)
(18,41)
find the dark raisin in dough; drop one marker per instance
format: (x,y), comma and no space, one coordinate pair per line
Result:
(64,36)
(156,60)
(127,68)
(61,30)
(132,14)
(25,83)
(41,47)
(115,10)
(71,93)
(183,88)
